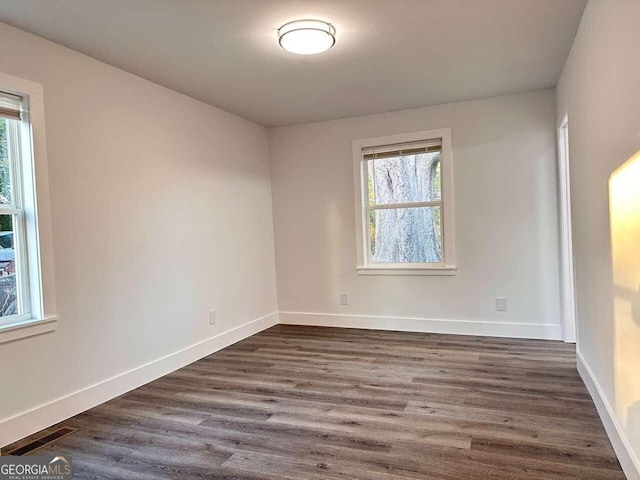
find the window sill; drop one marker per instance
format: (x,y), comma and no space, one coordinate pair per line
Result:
(443,270)
(27,328)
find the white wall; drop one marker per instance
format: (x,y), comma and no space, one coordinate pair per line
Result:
(161,210)
(505,223)
(599,88)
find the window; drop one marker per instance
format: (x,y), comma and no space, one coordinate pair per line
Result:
(14,272)
(404,204)
(22,293)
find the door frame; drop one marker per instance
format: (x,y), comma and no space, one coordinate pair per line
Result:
(567,274)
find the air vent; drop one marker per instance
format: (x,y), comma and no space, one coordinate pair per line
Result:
(41,442)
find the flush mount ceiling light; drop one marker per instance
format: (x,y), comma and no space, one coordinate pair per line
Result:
(307,37)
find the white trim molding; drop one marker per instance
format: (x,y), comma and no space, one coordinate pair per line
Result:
(34,185)
(567,280)
(425,325)
(626,456)
(406,270)
(27,328)
(31,421)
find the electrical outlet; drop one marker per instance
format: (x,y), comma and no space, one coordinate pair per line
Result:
(501,304)
(344,299)
(213,316)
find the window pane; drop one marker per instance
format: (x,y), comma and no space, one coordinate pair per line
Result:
(405,235)
(5,165)
(406,179)
(8,281)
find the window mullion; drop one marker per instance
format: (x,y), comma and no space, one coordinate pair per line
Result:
(7,209)
(389,206)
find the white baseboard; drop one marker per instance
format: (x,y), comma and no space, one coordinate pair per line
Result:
(626,456)
(425,325)
(31,421)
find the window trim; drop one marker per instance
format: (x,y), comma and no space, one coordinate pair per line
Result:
(37,217)
(364,266)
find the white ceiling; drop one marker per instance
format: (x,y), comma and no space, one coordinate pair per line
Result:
(389,54)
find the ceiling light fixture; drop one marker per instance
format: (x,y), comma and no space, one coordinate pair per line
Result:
(307,37)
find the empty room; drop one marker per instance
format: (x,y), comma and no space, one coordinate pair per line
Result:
(320,239)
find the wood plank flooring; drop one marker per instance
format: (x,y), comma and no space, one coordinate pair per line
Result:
(322,403)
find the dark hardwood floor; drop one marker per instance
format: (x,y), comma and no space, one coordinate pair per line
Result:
(321,403)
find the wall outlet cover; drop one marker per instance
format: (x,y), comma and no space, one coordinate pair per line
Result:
(501,304)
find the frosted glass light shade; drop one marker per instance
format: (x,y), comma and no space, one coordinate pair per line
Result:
(307,37)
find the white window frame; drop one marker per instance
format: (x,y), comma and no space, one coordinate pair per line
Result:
(32,211)
(364,265)
(16,131)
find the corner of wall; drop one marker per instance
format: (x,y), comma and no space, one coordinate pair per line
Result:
(43,416)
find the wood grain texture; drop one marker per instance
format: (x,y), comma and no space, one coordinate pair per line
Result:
(323,403)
